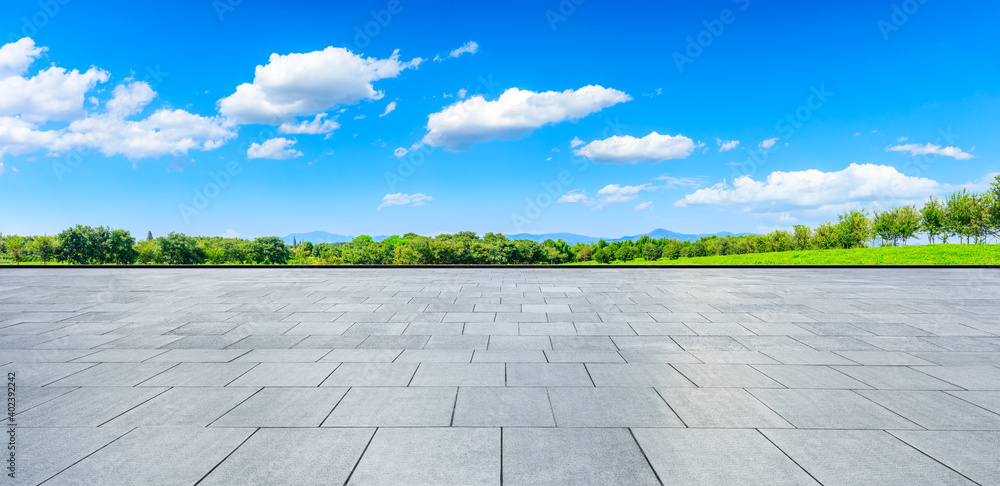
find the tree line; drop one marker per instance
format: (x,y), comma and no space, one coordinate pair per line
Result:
(969,217)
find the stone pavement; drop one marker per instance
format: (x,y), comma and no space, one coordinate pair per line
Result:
(504,376)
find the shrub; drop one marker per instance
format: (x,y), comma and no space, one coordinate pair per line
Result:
(651,252)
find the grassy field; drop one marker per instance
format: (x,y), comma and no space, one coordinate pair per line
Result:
(902,255)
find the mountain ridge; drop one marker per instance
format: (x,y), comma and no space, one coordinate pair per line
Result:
(570,238)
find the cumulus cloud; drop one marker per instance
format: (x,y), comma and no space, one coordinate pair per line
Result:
(111,133)
(468,48)
(400,199)
(814,189)
(462,92)
(644,206)
(725,146)
(52,94)
(401,151)
(628,149)
(931,149)
(316,126)
(514,114)
(766,144)
(303,84)
(56,95)
(576,142)
(573,197)
(609,194)
(388,108)
(275,149)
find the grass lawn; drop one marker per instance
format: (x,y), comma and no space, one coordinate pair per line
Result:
(902,255)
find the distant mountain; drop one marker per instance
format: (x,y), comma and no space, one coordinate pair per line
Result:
(662,233)
(317,237)
(571,238)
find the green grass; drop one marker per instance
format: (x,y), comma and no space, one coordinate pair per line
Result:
(902,255)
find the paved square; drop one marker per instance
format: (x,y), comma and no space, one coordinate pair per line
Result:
(504,376)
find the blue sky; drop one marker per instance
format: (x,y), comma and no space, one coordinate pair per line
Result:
(577,116)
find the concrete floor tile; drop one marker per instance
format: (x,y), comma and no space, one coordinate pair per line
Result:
(456,456)
(573,456)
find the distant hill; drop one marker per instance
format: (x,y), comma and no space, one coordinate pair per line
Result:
(662,233)
(317,237)
(571,238)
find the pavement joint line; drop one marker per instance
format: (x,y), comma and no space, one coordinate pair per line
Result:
(227,456)
(88,455)
(362,456)
(900,439)
(216,419)
(644,456)
(790,458)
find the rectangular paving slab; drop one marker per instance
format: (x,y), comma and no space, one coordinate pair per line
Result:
(532,375)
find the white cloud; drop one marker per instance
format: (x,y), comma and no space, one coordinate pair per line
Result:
(766,144)
(573,197)
(275,149)
(52,94)
(614,193)
(462,92)
(230,233)
(725,146)
(303,84)
(628,149)
(514,114)
(902,139)
(57,95)
(317,126)
(401,151)
(359,117)
(644,206)
(576,142)
(468,48)
(400,199)
(388,108)
(814,189)
(931,149)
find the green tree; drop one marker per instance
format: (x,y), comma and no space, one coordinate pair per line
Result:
(149,236)
(180,249)
(672,249)
(906,223)
(584,254)
(119,247)
(932,218)
(651,252)
(16,249)
(147,252)
(270,250)
(83,244)
(624,253)
(826,236)
(854,229)
(884,226)
(44,247)
(601,256)
(801,237)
